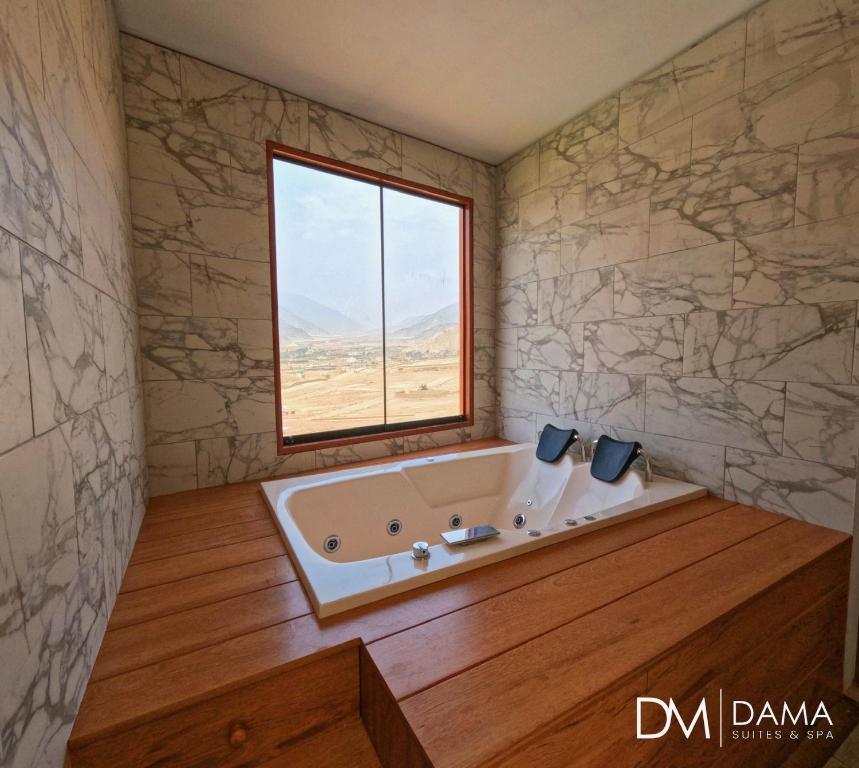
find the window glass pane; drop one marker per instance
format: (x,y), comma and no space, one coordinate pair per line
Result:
(329,285)
(422,307)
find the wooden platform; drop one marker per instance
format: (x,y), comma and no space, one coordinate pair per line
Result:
(213,656)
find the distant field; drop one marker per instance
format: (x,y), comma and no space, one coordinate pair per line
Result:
(334,384)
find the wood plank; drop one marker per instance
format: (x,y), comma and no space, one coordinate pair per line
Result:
(344,743)
(407,660)
(216,518)
(164,599)
(173,569)
(196,541)
(273,714)
(590,654)
(150,692)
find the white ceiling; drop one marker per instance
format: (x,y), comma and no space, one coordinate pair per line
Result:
(483,77)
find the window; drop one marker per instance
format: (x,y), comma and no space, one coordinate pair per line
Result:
(371,296)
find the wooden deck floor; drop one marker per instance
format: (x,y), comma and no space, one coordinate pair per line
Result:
(212,633)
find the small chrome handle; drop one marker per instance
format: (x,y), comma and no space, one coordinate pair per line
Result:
(420,550)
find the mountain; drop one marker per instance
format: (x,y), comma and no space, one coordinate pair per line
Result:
(310,318)
(426,325)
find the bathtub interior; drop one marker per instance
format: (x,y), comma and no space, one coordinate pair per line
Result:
(423,495)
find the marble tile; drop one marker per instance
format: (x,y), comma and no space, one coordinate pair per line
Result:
(121,347)
(231,103)
(168,218)
(483,228)
(607,398)
(576,298)
(16,415)
(814,100)
(65,344)
(544,211)
(827,184)
(484,180)
(806,264)
(38,201)
(348,454)
(516,426)
(812,343)
(546,348)
(172,468)
(507,347)
(745,200)
(178,411)
(519,174)
(256,347)
(822,423)
(230,288)
(802,489)
(484,350)
(783,33)
(485,390)
(163,282)
(484,267)
(675,283)
(189,347)
(704,74)
(484,309)
(636,345)
(437,167)
(517,305)
(507,222)
(246,457)
(19,22)
(485,422)
(637,170)
(523,262)
(151,79)
(570,149)
(686,460)
(742,414)
(610,238)
(437,439)
(344,137)
(532,391)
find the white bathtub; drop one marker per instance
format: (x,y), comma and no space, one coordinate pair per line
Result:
(488,486)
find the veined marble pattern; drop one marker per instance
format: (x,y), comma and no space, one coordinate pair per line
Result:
(525,262)
(636,345)
(121,347)
(703,75)
(16,422)
(246,457)
(637,170)
(675,283)
(742,414)
(517,426)
(230,288)
(163,282)
(484,309)
(520,174)
(151,78)
(172,467)
(806,264)
(437,167)
(745,200)
(255,346)
(812,343)
(348,454)
(507,220)
(178,411)
(234,104)
(532,391)
(822,423)
(507,347)
(437,439)
(545,210)
(782,33)
(65,341)
(189,347)
(517,305)
(575,298)
(19,23)
(168,218)
(610,238)
(828,182)
(348,138)
(607,398)
(544,348)
(803,489)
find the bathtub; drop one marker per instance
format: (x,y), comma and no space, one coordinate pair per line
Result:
(350,532)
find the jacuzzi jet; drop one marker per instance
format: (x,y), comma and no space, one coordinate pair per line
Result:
(331,544)
(533,532)
(455,521)
(569,521)
(519,521)
(393,527)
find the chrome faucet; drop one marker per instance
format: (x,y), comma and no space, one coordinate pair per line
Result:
(648,467)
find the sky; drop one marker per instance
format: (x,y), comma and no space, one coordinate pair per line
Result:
(329,246)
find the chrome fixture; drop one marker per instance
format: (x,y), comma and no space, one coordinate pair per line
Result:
(648,467)
(331,543)
(570,522)
(588,449)
(519,520)
(529,503)
(455,521)
(533,532)
(420,550)
(393,527)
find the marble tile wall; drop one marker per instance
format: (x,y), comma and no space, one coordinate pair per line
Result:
(679,265)
(196,154)
(72,452)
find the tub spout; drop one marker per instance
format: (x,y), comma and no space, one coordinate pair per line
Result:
(648,467)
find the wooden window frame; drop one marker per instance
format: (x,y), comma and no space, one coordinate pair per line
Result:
(281,151)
